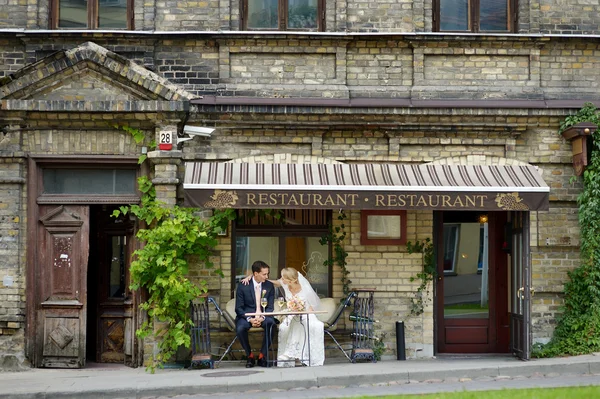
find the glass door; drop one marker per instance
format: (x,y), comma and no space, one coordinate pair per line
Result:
(520,285)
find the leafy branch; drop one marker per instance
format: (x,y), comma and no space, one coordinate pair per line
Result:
(426,276)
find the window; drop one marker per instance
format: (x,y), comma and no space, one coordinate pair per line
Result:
(383,228)
(307,15)
(290,239)
(92,14)
(475,15)
(89,181)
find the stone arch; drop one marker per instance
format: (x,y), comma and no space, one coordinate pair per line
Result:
(285,158)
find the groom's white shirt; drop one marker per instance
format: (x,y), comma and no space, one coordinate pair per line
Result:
(255,284)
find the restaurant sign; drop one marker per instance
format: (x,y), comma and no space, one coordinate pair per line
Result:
(455,200)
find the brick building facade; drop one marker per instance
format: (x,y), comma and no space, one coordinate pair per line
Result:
(375,83)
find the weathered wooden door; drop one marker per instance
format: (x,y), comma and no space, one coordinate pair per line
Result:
(61,257)
(520,285)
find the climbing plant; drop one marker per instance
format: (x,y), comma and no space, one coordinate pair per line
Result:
(425,276)
(578,327)
(161,266)
(173,236)
(335,236)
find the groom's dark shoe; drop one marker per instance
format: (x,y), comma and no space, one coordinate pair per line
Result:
(250,362)
(262,362)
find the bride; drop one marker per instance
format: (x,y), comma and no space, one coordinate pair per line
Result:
(293,338)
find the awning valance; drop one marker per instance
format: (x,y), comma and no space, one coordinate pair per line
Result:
(364,186)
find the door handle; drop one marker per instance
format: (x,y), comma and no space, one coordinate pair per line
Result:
(521,292)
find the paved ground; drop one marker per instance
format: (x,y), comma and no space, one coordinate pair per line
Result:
(98,381)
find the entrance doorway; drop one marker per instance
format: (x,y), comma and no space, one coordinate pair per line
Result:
(86,312)
(472,283)
(110,301)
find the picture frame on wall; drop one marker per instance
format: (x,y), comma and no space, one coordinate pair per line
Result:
(383,227)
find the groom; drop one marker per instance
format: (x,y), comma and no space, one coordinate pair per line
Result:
(247,300)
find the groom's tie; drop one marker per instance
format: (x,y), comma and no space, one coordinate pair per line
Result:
(257,295)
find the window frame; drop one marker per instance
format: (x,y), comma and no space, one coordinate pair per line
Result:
(364,234)
(92,16)
(42,163)
(474,18)
(281,231)
(282,20)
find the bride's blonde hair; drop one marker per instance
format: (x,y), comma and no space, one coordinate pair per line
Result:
(290,274)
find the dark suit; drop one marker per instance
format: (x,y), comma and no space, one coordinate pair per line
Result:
(245,302)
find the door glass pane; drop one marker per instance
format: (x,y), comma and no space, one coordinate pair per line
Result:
(308,256)
(117,267)
(466,284)
(112,14)
(454,15)
(251,249)
(451,233)
(89,181)
(493,15)
(302,14)
(262,14)
(72,14)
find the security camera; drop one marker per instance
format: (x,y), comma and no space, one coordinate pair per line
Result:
(198,131)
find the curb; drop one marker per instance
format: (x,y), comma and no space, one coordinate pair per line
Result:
(305,382)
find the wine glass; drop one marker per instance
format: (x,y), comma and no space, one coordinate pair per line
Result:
(280,302)
(263,303)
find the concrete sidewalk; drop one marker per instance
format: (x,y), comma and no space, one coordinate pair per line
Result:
(115,381)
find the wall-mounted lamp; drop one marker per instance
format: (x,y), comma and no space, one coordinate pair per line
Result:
(483,219)
(578,135)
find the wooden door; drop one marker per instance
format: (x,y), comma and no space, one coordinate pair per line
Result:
(520,285)
(469,259)
(61,267)
(295,253)
(109,288)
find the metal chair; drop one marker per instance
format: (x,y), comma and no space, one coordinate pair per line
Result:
(200,336)
(229,323)
(331,325)
(229,316)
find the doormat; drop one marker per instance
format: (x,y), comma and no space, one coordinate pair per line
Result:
(231,373)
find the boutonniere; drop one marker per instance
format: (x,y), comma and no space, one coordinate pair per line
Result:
(264,292)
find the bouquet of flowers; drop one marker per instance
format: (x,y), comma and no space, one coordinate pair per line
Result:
(295,304)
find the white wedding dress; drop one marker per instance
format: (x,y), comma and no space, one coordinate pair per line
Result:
(293,339)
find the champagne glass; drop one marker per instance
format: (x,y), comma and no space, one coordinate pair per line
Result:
(263,303)
(281,302)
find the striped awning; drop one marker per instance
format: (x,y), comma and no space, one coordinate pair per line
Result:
(364,186)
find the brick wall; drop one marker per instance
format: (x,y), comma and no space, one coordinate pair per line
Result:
(497,68)
(569,17)
(12,262)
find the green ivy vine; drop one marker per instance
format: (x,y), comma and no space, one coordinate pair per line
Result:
(578,327)
(335,236)
(161,266)
(425,277)
(173,236)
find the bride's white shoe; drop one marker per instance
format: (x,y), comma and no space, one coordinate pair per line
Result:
(285,361)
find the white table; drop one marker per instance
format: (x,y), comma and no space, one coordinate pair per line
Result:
(289,313)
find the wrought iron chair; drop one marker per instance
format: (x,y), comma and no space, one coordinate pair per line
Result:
(200,336)
(330,325)
(229,323)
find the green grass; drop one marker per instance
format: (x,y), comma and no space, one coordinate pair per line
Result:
(590,392)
